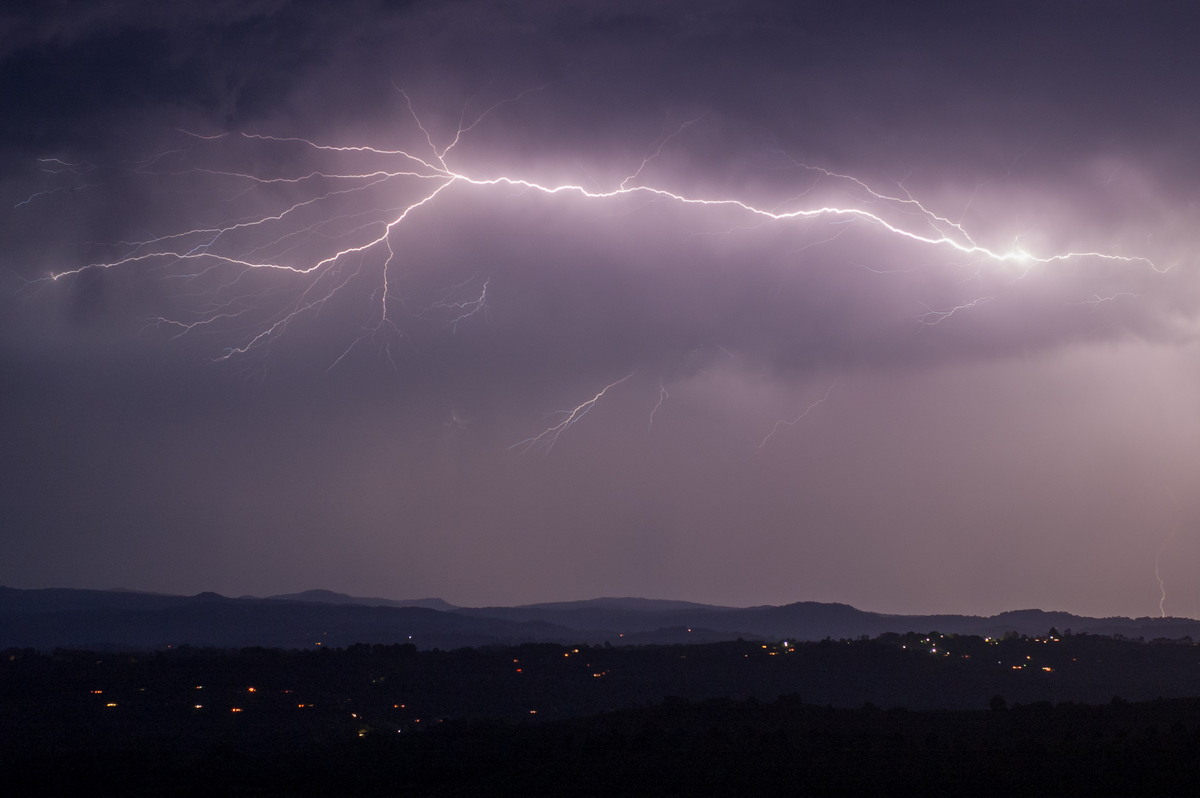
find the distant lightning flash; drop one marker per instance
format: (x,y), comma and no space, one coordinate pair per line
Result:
(548,437)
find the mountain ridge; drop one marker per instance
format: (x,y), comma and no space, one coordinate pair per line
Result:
(333,597)
(73,618)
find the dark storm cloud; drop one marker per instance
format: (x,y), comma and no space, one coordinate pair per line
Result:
(1046,127)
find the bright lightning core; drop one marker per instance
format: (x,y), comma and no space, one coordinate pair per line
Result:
(276,241)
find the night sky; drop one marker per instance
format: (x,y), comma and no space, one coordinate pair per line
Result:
(891,304)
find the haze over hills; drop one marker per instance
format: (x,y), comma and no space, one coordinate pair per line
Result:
(68,618)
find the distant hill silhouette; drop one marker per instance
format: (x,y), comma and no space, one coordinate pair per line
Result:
(628,603)
(66,618)
(330,597)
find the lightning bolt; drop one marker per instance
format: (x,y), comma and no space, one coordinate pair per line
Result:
(57,166)
(1166,543)
(793,422)
(464,309)
(437,172)
(1096,300)
(662,397)
(931,318)
(938,223)
(262,273)
(549,436)
(663,139)
(1162,586)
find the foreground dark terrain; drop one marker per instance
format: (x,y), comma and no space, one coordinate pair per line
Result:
(899,714)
